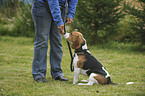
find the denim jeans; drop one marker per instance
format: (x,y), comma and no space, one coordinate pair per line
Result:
(46,28)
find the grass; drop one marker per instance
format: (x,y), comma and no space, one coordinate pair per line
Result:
(122,62)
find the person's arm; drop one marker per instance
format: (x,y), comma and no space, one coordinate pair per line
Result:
(56,14)
(55,11)
(71,10)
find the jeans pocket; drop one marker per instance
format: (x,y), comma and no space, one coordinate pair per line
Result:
(39,9)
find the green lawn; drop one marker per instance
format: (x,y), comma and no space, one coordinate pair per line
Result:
(121,60)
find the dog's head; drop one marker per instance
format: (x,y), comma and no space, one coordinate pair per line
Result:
(76,38)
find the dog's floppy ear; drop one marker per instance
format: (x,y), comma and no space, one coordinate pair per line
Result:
(77,43)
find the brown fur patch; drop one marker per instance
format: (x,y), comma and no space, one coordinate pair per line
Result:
(80,63)
(77,39)
(101,79)
(77,43)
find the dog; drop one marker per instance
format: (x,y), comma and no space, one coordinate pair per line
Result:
(86,64)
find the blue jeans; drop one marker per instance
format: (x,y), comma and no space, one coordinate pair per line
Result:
(46,28)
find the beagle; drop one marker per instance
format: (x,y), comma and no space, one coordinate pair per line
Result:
(86,64)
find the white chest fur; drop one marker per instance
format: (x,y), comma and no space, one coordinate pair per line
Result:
(75,60)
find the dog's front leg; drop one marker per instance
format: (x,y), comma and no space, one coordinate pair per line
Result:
(76,75)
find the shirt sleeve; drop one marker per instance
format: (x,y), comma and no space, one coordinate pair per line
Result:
(72,8)
(55,11)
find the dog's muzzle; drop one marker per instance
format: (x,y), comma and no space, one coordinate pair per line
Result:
(66,35)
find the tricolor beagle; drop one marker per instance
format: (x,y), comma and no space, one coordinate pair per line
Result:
(86,64)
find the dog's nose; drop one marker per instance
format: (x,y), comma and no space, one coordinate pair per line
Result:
(66,35)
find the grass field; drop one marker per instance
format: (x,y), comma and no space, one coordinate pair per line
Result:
(123,62)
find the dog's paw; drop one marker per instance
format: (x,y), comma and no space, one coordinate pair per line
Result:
(84,81)
(83,84)
(80,84)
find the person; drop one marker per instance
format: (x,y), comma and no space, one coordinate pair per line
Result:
(50,25)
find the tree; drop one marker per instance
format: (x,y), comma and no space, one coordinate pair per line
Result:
(97,19)
(22,23)
(8,7)
(139,13)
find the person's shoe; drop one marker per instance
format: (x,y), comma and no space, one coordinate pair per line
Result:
(61,78)
(41,79)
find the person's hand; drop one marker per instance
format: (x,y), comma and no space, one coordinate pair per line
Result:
(61,29)
(69,20)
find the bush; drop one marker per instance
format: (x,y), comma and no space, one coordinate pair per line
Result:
(23,24)
(125,31)
(8,7)
(139,25)
(3,29)
(97,19)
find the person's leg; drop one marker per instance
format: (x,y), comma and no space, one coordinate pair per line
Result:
(56,50)
(42,21)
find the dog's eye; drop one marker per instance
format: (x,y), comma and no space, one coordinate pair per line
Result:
(70,33)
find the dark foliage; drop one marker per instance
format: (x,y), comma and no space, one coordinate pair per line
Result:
(97,19)
(139,25)
(8,7)
(23,24)
(17,22)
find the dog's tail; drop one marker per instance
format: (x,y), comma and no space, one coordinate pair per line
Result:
(112,83)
